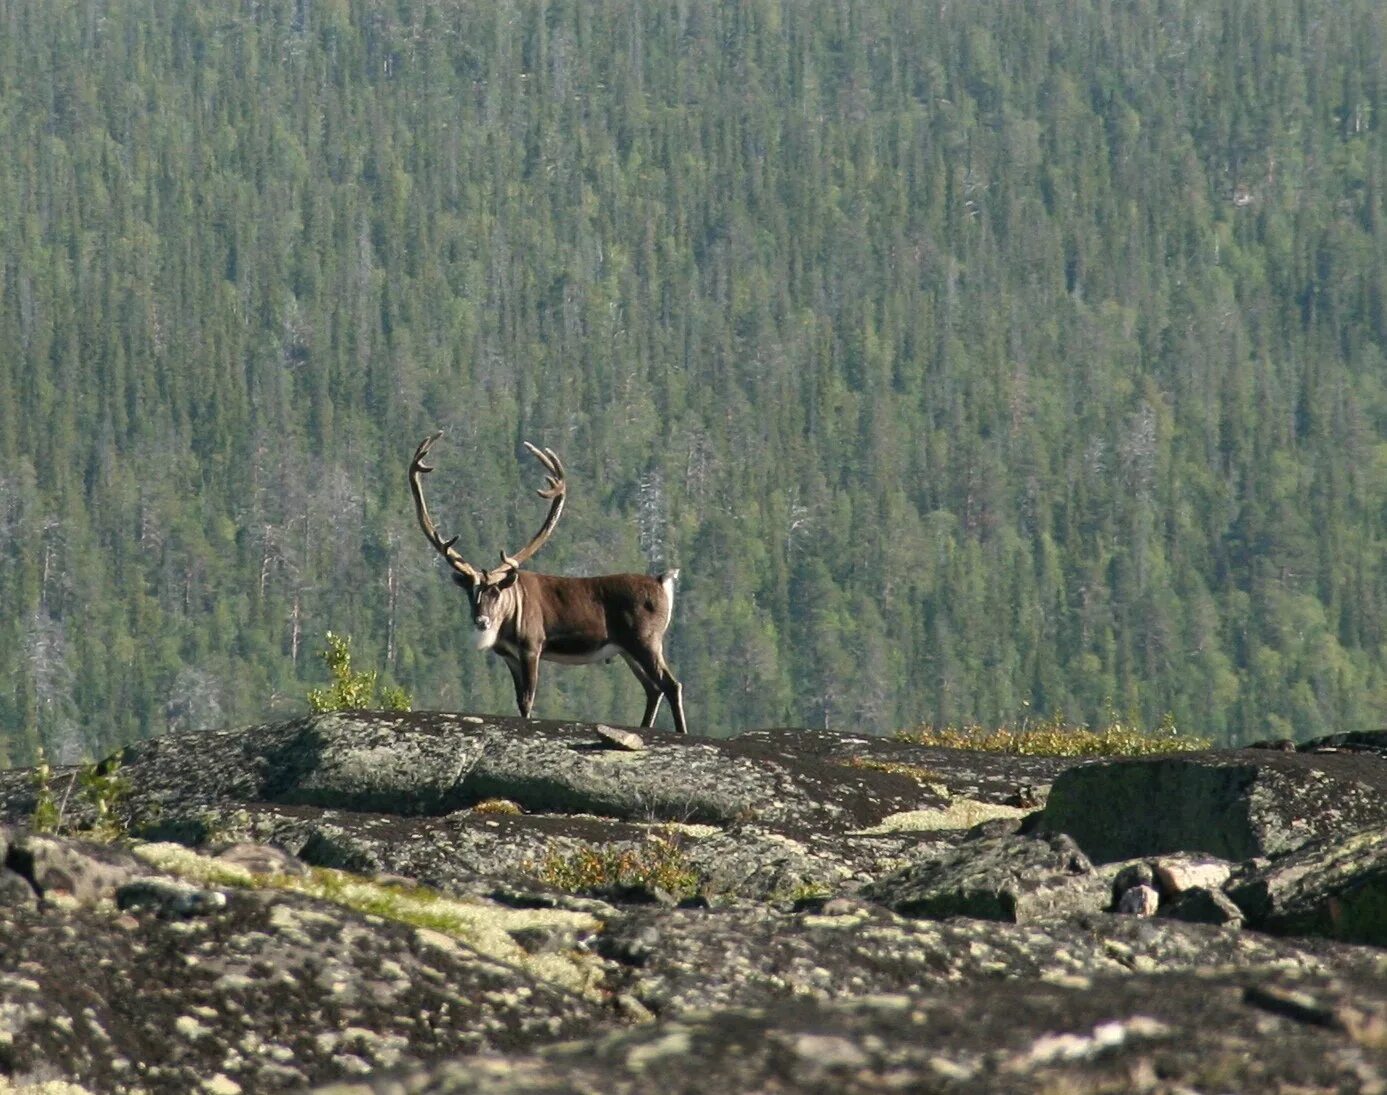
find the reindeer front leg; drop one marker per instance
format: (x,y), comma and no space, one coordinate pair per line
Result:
(526,674)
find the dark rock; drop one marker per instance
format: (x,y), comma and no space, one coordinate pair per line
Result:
(1003,878)
(1281,745)
(1004,780)
(1234,805)
(1373,742)
(425,763)
(1131,876)
(995,827)
(466,851)
(1139,873)
(1200,905)
(269,991)
(788,969)
(746,955)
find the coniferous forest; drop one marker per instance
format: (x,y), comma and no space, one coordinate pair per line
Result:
(971,360)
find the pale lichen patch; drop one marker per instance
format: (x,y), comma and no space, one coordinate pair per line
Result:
(961,813)
(486,927)
(190,1028)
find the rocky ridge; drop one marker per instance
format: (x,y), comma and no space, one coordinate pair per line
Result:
(382,902)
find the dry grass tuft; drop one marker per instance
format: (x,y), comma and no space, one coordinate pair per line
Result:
(1054,737)
(659,863)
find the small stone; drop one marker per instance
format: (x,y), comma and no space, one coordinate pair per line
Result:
(1139,901)
(169,899)
(620,739)
(1175,876)
(633,1009)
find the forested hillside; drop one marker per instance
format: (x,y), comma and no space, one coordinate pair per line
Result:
(971,360)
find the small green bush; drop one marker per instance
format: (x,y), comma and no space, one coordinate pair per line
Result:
(100,785)
(351,688)
(48,813)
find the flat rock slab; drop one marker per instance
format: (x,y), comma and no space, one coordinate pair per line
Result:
(1236,805)
(1187,1031)
(428,763)
(1002,779)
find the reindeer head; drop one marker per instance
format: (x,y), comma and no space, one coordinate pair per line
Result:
(489,592)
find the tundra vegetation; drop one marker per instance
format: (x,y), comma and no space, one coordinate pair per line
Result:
(1055,737)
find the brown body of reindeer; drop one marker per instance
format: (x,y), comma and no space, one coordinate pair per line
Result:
(527,617)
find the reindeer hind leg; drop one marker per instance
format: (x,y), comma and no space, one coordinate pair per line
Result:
(651,667)
(653,692)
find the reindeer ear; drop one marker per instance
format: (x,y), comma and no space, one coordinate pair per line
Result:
(463,580)
(508,580)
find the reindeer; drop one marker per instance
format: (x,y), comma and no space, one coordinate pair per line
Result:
(526,617)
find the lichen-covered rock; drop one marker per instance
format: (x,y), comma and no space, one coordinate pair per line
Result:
(1004,780)
(746,955)
(375,892)
(1234,805)
(1014,878)
(1139,901)
(1187,1031)
(268,990)
(1335,888)
(263,859)
(16,891)
(169,897)
(84,871)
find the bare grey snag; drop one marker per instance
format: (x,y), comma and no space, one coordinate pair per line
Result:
(525,617)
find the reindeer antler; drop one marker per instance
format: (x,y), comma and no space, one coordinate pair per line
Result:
(556,490)
(417,470)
